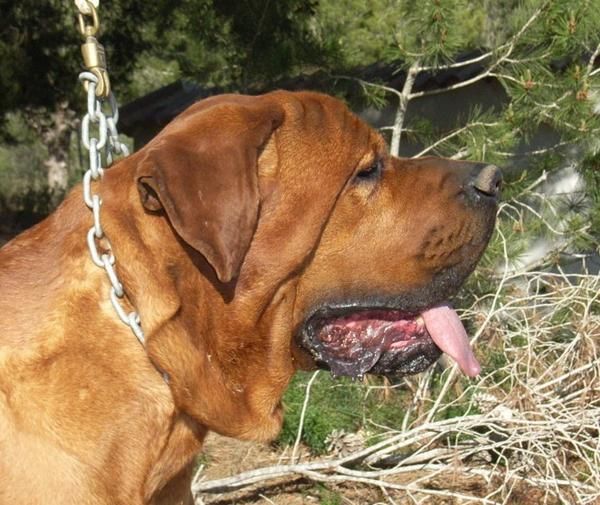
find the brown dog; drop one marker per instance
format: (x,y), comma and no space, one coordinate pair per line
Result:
(254,236)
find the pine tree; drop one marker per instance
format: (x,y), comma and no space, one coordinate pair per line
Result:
(546,55)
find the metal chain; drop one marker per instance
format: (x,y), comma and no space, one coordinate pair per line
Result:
(107,138)
(99,133)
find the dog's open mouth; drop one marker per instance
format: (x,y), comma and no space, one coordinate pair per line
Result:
(390,342)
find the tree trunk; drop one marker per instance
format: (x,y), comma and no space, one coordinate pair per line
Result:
(55,130)
(57,137)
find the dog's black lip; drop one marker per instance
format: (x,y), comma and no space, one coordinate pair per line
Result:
(442,287)
(335,310)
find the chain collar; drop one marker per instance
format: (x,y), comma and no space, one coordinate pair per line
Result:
(108,139)
(99,135)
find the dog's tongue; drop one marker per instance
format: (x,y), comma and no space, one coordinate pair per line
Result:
(449,334)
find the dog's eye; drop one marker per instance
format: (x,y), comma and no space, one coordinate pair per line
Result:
(371,172)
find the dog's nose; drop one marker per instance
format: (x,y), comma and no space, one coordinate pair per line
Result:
(487,180)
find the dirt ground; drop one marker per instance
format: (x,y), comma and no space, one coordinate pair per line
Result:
(224,457)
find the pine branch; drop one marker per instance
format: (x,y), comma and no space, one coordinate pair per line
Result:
(508,47)
(451,135)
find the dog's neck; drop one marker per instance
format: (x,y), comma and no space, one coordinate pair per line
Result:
(140,264)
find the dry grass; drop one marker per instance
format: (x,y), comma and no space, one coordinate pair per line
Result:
(530,432)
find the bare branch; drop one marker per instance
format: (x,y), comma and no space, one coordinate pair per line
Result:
(458,64)
(404,97)
(591,61)
(534,152)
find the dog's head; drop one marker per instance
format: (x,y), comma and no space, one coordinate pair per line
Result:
(313,246)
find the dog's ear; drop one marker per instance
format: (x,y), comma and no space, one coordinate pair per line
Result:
(202,169)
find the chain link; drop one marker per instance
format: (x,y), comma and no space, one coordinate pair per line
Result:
(99,132)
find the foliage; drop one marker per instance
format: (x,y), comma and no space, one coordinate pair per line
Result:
(215,42)
(336,404)
(329,497)
(148,44)
(39,49)
(23,185)
(591,174)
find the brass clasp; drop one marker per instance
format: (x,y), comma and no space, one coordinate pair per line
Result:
(94,56)
(94,59)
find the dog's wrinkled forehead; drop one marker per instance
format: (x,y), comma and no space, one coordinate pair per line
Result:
(325,121)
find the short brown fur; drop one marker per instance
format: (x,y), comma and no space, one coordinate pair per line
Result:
(228,228)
